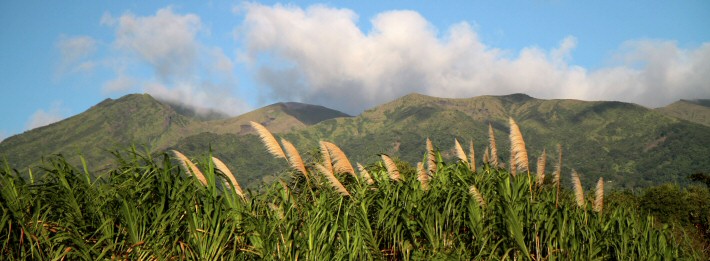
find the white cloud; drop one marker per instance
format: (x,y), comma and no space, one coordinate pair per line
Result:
(42,118)
(73,52)
(3,135)
(185,70)
(202,98)
(166,40)
(319,55)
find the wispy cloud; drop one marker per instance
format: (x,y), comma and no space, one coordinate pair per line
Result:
(121,83)
(43,117)
(185,70)
(74,53)
(3,135)
(320,55)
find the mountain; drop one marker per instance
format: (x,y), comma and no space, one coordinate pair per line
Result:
(629,145)
(141,120)
(105,126)
(697,111)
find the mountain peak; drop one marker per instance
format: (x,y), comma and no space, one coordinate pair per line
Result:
(113,123)
(517,97)
(414,96)
(134,99)
(130,98)
(308,113)
(137,97)
(697,111)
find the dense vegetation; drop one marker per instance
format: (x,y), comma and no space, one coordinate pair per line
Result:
(149,207)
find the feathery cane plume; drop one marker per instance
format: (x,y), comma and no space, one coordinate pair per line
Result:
(294,159)
(517,147)
(219,165)
(460,154)
(473,157)
(190,167)
(558,175)
(391,168)
(578,190)
(541,162)
(268,139)
(494,151)
(365,174)
(333,180)
(422,176)
(486,156)
(327,162)
(477,195)
(599,196)
(431,157)
(342,164)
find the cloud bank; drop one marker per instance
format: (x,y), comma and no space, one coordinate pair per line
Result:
(184,70)
(319,55)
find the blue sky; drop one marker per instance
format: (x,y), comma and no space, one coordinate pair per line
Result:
(59,59)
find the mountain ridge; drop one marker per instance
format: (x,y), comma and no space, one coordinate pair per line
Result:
(137,119)
(625,143)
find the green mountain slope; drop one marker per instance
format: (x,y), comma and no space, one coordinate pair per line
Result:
(111,124)
(697,111)
(140,120)
(631,146)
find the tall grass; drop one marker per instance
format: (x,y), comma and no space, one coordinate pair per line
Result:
(149,208)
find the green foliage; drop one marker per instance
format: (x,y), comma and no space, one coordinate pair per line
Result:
(147,208)
(667,202)
(686,209)
(670,203)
